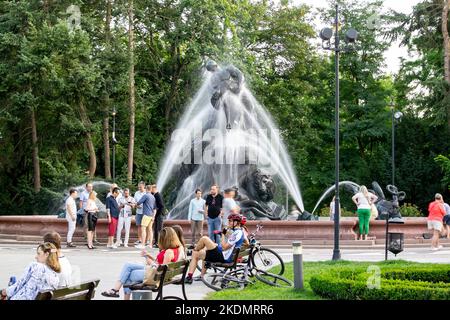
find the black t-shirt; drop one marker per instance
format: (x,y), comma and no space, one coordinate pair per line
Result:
(214,205)
(158,203)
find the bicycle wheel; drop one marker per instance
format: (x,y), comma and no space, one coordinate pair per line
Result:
(265,259)
(213,280)
(230,280)
(273,279)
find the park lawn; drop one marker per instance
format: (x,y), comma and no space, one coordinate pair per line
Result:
(261,291)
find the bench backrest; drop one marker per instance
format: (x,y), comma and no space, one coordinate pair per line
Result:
(171,270)
(83,291)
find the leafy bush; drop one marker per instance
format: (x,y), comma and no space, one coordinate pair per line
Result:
(444,163)
(410,210)
(414,283)
(325,212)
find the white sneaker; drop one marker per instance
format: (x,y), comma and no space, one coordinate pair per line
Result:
(139,246)
(434,248)
(440,246)
(125,245)
(113,246)
(137,242)
(117,244)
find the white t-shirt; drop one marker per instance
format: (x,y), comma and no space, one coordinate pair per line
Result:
(362,200)
(65,276)
(227,205)
(91,206)
(137,196)
(235,240)
(70,203)
(126,210)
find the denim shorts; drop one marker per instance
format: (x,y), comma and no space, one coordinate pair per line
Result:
(139,219)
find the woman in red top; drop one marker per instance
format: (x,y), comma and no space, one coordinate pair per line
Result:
(171,250)
(436,214)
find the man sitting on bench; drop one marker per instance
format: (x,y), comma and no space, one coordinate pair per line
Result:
(209,251)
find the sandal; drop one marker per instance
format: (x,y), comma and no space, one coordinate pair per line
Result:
(113,293)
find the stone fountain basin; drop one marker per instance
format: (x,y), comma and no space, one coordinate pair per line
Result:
(38,225)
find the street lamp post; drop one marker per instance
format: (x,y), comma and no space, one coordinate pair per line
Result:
(396,116)
(114,142)
(350,38)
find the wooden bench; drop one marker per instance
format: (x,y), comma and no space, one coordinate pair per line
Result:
(82,291)
(238,253)
(166,274)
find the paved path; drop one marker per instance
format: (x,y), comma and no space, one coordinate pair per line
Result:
(106,264)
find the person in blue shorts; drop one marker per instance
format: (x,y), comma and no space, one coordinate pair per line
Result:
(208,250)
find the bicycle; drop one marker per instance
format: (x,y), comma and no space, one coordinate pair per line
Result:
(264,258)
(220,276)
(236,275)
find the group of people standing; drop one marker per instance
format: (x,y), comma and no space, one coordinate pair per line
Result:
(147,202)
(215,209)
(438,215)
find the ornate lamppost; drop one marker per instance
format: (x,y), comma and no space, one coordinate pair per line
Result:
(350,37)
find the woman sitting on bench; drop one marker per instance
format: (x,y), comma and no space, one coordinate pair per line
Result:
(171,250)
(39,276)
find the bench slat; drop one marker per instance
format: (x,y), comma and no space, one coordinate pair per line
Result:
(82,291)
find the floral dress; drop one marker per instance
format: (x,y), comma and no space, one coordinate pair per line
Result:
(37,277)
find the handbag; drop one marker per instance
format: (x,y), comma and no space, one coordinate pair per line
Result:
(149,275)
(373,211)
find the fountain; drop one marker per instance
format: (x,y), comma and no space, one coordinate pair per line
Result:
(226,137)
(102,189)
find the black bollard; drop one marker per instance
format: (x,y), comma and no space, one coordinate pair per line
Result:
(298,264)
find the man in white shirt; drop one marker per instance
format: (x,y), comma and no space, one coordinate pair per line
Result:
(71,216)
(229,206)
(126,203)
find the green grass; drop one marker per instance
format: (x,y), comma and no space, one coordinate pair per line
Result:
(261,291)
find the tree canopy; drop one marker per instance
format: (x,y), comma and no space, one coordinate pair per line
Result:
(61,78)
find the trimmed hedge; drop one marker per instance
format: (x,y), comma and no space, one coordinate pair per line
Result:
(413,283)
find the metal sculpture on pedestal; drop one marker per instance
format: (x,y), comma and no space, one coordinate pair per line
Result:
(390,211)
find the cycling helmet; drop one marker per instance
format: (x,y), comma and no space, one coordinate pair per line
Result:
(235,217)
